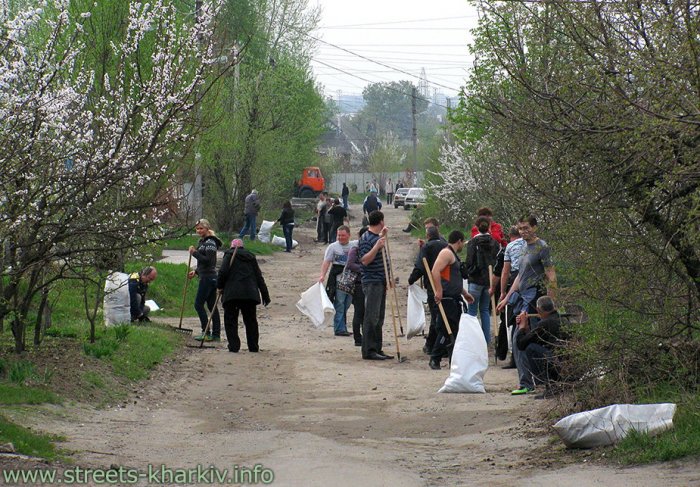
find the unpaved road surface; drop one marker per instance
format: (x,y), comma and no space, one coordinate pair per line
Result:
(309,409)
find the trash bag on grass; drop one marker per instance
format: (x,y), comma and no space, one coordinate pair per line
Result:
(265,231)
(415,313)
(116,305)
(608,425)
(315,304)
(470,358)
(281,242)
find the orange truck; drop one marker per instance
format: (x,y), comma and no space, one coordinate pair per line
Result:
(311,183)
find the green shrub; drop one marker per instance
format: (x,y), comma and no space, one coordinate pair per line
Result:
(21,371)
(121,332)
(103,347)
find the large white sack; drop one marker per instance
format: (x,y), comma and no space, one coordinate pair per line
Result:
(281,242)
(608,425)
(470,358)
(265,229)
(116,305)
(415,313)
(315,304)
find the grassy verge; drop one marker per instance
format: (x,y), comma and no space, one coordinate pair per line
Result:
(28,442)
(681,441)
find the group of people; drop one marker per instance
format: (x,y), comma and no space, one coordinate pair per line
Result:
(519,273)
(331,214)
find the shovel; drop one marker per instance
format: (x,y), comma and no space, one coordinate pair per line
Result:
(393,282)
(442,310)
(393,316)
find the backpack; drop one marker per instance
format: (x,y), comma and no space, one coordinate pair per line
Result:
(485,250)
(372,203)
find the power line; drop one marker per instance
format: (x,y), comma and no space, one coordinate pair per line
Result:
(368,81)
(402,21)
(379,63)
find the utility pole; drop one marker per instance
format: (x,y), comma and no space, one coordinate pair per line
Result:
(414,134)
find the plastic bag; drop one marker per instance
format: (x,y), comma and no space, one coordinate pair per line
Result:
(116,305)
(415,313)
(280,242)
(315,304)
(608,425)
(470,358)
(264,232)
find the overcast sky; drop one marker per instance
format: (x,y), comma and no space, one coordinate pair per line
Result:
(405,35)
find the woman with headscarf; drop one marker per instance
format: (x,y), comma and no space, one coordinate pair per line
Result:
(242,286)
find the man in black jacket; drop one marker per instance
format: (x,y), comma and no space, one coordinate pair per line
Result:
(539,343)
(242,285)
(138,285)
(430,250)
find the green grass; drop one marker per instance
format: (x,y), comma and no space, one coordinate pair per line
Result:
(28,442)
(15,394)
(680,441)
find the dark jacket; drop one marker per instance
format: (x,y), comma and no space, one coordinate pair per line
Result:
(242,280)
(488,247)
(346,190)
(137,295)
(206,256)
(286,217)
(430,251)
(548,333)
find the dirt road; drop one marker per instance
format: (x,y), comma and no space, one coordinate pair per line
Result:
(308,408)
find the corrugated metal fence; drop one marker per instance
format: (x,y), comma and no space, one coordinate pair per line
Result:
(363,179)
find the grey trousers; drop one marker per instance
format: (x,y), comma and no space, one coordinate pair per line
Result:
(375,302)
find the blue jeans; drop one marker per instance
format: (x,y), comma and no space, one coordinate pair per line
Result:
(481,301)
(206,293)
(345,202)
(249,226)
(287,229)
(341,304)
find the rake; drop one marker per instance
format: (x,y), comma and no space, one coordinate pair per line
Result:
(393,316)
(180,329)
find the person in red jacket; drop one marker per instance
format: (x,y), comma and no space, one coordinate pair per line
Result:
(495,230)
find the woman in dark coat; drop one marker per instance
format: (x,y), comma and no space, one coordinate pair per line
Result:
(242,285)
(286,219)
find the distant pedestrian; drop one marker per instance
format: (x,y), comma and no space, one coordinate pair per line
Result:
(339,217)
(389,189)
(345,194)
(286,220)
(250,213)
(205,254)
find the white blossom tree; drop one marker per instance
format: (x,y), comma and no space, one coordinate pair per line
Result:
(88,162)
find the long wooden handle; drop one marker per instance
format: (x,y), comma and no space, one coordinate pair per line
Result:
(432,285)
(184,291)
(393,283)
(494,319)
(393,317)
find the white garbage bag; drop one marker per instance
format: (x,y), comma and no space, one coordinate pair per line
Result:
(315,304)
(116,306)
(608,425)
(265,229)
(415,313)
(470,358)
(281,242)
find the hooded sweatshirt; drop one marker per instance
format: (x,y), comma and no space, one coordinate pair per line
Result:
(206,256)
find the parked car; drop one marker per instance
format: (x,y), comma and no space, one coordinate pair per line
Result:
(414,198)
(400,196)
